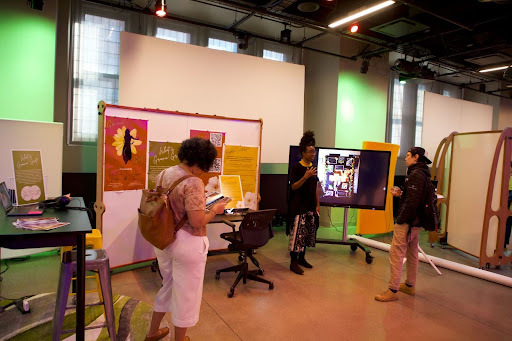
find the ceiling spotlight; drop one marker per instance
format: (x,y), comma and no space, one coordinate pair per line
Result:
(507,74)
(161,8)
(36,4)
(286,35)
(364,66)
(354,28)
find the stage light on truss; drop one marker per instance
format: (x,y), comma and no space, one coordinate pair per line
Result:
(354,28)
(161,8)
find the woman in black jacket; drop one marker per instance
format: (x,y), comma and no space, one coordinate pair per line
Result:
(408,225)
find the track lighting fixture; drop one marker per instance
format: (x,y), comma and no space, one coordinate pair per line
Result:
(161,8)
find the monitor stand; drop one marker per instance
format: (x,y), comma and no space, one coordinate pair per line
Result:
(354,243)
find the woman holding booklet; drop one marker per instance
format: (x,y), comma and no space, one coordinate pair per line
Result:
(182,263)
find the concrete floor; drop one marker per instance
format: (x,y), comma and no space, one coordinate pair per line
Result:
(332,301)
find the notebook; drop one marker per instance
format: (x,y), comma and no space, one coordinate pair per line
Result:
(13,211)
(215,198)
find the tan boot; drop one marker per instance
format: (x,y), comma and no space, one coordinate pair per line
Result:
(386,296)
(407,290)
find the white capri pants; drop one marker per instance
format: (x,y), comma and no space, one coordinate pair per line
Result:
(182,267)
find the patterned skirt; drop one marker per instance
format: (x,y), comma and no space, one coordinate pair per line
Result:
(302,232)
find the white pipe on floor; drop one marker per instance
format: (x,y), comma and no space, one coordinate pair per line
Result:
(468,270)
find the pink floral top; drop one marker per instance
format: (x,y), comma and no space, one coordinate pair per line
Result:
(187,196)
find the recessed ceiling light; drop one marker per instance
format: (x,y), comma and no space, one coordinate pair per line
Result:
(308,7)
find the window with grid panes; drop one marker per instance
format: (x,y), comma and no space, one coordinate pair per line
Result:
(181,37)
(273,55)
(95,72)
(223,45)
(396,121)
(419,115)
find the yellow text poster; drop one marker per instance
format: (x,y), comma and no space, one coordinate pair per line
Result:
(231,187)
(28,175)
(162,155)
(243,161)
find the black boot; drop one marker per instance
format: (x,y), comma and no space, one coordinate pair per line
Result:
(302,260)
(294,264)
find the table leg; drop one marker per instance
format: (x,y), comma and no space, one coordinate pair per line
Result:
(80,289)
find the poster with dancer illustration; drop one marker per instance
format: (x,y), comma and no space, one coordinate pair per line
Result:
(217,139)
(125,153)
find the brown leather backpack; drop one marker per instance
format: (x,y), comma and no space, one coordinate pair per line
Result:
(156,218)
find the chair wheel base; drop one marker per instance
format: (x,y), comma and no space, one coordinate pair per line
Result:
(231,293)
(271,286)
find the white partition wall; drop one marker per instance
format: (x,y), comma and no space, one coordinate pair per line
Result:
(29,135)
(472,157)
(443,115)
(156,73)
(121,236)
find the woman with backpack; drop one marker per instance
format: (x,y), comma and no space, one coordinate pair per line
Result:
(183,262)
(408,225)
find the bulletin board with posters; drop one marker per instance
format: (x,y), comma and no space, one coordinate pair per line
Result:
(135,145)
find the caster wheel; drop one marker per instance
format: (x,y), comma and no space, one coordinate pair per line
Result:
(353,247)
(217,275)
(271,286)
(432,245)
(260,272)
(240,258)
(244,280)
(488,266)
(231,294)
(369,259)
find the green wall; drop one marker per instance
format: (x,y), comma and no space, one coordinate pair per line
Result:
(27,63)
(361,110)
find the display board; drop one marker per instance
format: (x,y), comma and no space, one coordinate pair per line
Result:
(28,135)
(443,115)
(370,221)
(471,160)
(158,73)
(121,236)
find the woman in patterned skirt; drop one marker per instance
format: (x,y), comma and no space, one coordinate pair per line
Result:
(304,204)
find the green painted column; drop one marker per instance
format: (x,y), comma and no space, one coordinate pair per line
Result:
(27,63)
(360,116)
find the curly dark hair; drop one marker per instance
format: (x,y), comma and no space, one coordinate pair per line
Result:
(308,139)
(197,151)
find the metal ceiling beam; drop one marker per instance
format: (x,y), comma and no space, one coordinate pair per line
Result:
(241,21)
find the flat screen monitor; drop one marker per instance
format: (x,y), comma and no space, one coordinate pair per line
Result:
(355,178)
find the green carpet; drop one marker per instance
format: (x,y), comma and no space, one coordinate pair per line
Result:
(132,320)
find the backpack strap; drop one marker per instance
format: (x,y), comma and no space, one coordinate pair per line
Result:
(176,183)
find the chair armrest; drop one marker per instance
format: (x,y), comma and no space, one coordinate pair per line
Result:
(227,222)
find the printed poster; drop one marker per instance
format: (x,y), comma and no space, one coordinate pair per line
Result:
(162,155)
(28,176)
(218,139)
(243,161)
(125,153)
(231,186)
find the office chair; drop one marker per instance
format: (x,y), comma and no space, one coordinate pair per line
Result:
(254,232)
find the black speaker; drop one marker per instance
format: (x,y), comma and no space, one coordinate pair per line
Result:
(59,202)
